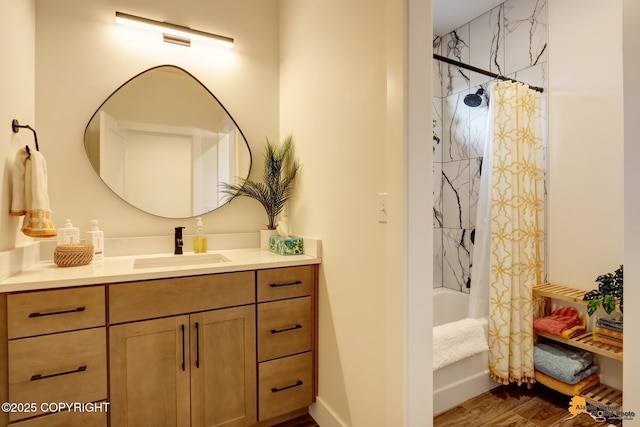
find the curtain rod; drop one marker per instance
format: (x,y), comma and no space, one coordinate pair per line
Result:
(481,71)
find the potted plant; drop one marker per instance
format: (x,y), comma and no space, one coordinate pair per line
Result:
(608,292)
(280,170)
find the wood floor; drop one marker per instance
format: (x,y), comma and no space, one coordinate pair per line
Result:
(505,406)
(304,421)
(515,406)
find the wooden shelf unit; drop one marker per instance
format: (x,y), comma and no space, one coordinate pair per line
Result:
(562,293)
(602,394)
(585,342)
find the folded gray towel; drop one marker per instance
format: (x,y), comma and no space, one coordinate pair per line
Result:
(566,364)
(615,324)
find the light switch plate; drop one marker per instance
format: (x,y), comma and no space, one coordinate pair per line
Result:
(382,207)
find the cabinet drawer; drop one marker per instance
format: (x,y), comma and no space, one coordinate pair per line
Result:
(168,297)
(38,313)
(280,283)
(284,328)
(66,367)
(285,385)
(68,419)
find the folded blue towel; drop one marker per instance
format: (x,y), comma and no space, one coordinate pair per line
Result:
(566,364)
(615,324)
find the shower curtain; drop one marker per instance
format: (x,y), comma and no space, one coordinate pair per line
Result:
(509,246)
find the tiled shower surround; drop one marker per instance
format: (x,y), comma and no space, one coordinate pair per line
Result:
(509,40)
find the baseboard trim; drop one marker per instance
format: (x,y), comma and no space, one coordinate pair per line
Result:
(324,415)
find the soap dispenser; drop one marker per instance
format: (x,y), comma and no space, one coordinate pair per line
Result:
(96,238)
(200,240)
(68,234)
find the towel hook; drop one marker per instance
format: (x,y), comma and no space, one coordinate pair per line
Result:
(15,125)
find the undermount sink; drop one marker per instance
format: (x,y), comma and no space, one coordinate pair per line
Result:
(178,260)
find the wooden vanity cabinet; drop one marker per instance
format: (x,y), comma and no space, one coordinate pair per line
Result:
(232,349)
(195,369)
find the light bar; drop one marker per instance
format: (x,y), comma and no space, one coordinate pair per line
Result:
(173,33)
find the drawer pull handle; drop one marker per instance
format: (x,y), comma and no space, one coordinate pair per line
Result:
(42,377)
(53,313)
(297,384)
(277,285)
(197,345)
(183,355)
(277,331)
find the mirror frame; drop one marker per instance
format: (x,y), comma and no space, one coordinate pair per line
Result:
(93,116)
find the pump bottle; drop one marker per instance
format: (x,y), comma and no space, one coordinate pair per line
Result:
(96,238)
(68,234)
(199,240)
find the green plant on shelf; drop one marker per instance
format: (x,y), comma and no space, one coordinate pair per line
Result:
(608,293)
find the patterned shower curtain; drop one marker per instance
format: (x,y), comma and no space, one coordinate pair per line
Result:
(517,228)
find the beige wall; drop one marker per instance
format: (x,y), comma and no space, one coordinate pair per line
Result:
(585,224)
(17,86)
(83,56)
(357,110)
(342,82)
(631,14)
(586,148)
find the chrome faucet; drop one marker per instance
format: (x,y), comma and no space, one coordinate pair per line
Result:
(177,240)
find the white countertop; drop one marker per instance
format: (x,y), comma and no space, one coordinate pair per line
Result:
(47,275)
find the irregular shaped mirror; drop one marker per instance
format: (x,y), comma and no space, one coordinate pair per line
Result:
(163,143)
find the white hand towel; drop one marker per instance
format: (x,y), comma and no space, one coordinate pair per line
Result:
(30,195)
(18,202)
(456,341)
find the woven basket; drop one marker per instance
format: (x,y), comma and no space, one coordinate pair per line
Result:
(72,255)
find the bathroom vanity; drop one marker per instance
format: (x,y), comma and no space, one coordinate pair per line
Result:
(231,343)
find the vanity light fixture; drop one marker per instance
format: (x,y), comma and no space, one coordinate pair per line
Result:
(173,33)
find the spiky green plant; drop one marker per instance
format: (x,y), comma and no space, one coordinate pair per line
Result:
(280,170)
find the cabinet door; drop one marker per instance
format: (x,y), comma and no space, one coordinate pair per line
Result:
(149,373)
(223,367)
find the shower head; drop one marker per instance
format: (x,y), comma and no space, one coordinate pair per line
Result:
(474,99)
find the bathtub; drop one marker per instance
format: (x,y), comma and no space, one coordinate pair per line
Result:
(464,379)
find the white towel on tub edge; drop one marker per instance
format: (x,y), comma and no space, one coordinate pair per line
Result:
(457,340)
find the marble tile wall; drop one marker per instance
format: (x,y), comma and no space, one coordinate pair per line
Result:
(509,40)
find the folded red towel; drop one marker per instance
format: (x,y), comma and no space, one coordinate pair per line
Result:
(559,320)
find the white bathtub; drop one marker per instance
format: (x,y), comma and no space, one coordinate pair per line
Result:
(464,379)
